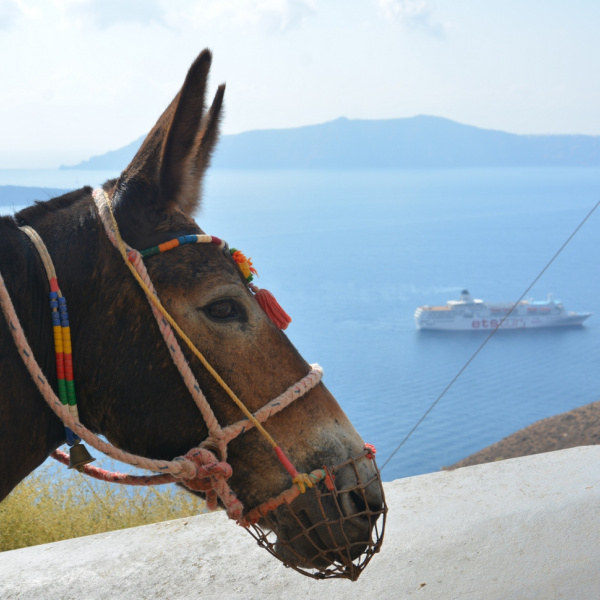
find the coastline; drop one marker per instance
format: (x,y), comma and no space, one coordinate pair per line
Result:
(577,427)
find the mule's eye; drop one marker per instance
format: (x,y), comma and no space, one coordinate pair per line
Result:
(222,310)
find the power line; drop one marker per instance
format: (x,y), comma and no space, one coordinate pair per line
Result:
(488,338)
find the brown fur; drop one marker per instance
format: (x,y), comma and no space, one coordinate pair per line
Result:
(127,387)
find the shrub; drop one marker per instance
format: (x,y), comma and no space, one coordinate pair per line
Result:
(55,504)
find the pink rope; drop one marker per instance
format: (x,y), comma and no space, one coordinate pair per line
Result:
(181,468)
(176,468)
(286,497)
(284,400)
(113,477)
(191,383)
(199,469)
(209,479)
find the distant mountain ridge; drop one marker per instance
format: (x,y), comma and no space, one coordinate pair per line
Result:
(415,142)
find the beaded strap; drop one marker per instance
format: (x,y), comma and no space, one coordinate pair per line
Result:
(62,335)
(182,240)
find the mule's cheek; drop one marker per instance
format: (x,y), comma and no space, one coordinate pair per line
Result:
(257,474)
(316,432)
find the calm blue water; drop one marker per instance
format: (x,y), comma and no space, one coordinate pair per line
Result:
(350,255)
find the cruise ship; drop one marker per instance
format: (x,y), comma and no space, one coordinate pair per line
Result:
(469,314)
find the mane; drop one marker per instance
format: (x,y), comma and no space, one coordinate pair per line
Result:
(7,222)
(42,208)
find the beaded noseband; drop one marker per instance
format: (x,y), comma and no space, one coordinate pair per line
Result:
(199,469)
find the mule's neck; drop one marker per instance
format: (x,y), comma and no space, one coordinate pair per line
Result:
(29,430)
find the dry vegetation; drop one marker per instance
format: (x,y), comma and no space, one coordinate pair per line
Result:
(56,504)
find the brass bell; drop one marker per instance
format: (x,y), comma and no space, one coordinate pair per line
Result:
(79,457)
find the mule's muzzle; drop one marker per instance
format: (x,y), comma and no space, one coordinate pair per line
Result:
(335,528)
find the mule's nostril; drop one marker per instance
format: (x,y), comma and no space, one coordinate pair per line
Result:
(354,507)
(359,491)
(359,502)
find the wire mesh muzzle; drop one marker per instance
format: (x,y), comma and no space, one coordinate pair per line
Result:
(326,547)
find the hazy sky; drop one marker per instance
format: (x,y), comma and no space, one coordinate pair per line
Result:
(81,77)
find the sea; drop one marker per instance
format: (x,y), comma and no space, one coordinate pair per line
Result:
(350,255)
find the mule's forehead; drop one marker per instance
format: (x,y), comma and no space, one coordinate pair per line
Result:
(188,266)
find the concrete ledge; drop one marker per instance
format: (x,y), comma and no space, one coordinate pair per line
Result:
(523,528)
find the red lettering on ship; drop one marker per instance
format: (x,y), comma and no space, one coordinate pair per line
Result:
(494,323)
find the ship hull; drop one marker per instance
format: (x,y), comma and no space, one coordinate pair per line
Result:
(469,314)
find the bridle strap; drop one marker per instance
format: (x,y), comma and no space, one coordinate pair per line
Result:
(134,262)
(60,322)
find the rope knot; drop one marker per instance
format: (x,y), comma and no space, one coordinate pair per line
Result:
(211,478)
(208,469)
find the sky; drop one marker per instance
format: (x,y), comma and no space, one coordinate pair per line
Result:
(82,77)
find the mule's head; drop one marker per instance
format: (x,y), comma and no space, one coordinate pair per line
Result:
(201,286)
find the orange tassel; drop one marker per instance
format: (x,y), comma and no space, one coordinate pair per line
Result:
(267,302)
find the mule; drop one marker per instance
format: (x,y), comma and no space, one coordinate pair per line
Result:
(127,387)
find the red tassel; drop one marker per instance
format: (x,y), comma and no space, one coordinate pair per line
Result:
(267,302)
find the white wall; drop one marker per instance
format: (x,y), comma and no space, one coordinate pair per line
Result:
(524,528)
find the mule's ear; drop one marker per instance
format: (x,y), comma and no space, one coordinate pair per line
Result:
(191,139)
(176,153)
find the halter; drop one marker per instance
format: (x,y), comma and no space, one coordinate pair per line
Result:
(199,469)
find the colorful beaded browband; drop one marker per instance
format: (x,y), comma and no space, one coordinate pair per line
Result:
(265,299)
(200,238)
